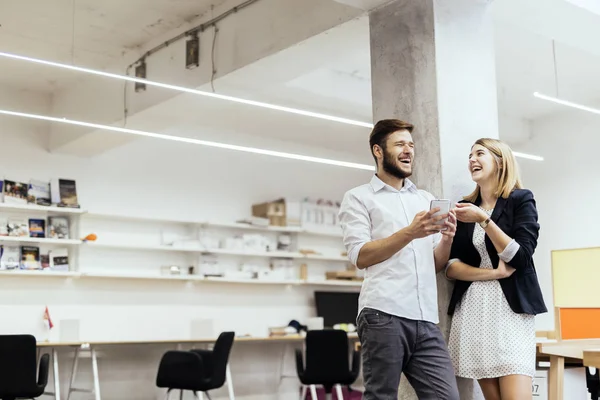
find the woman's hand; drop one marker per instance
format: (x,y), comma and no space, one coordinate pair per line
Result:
(469,213)
(503,270)
(450,231)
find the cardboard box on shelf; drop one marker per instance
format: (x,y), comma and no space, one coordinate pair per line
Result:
(280,212)
(343,275)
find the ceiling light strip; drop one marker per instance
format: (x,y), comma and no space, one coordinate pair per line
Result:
(566,103)
(528,156)
(189,90)
(192,141)
(212,95)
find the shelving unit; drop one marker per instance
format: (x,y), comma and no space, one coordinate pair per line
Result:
(79,270)
(37,211)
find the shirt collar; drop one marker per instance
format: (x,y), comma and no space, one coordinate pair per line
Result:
(377,185)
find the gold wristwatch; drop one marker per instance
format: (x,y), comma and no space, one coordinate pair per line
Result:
(485,223)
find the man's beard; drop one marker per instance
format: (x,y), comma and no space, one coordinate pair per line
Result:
(389,165)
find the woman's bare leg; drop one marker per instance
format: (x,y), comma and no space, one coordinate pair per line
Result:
(516,387)
(490,388)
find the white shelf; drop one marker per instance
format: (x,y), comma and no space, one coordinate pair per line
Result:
(331,282)
(25,239)
(273,254)
(40,209)
(241,253)
(235,225)
(102,275)
(217,224)
(150,247)
(253,281)
(45,274)
(326,257)
(180,278)
(141,219)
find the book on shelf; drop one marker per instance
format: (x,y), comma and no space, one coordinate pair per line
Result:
(39,192)
(58,227)
(30,258)
(37,228)
(3,226)
(15,192)
(18,227)
(9,257)
(45,261)
(59,259)
(64,193)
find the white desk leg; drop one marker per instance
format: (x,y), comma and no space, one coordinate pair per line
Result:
(73,372)
(229,383)
(56,374)
(96,376)
(200,396)
(338,392)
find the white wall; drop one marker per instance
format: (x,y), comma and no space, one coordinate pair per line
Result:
(166,180)
(566,186)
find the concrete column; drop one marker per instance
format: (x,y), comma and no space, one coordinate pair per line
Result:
(432,63)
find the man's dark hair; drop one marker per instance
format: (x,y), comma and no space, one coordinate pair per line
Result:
(385,128)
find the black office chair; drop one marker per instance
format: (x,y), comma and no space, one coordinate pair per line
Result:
(19,374)
(593,383)
(327,361)
(196,370)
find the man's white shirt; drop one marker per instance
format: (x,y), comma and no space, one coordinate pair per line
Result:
(405,284)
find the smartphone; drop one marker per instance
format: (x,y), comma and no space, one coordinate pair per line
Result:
(444,206)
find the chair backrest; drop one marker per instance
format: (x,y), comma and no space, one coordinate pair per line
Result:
(220,357)
(18,364)
(327,354)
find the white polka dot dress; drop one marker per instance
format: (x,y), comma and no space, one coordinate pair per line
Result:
(487,338)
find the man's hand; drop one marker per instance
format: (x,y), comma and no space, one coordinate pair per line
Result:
(450,224)
(503,270)
(425,224)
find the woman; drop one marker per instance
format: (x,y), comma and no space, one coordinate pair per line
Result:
(496,294)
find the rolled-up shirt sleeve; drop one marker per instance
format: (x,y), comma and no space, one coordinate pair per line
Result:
(356,225)
(509,251)
(448,264)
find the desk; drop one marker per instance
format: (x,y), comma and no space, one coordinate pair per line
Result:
(91,346)
(591,358)
(559,352)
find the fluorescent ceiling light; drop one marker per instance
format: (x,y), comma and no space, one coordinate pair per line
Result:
(200,93)
(189,90)
(528,156)
(192,141)
(566,103)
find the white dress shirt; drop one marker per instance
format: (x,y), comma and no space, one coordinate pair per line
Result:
(405,284)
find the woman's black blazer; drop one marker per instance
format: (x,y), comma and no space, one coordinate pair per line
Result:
(517,216)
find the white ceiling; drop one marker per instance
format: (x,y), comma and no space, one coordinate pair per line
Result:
(329,73)
(83,32)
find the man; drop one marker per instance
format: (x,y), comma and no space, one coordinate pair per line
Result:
(390,232)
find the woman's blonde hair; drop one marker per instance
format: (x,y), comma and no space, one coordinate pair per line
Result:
(509,177)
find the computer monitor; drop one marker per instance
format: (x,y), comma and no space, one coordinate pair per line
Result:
(337,307)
